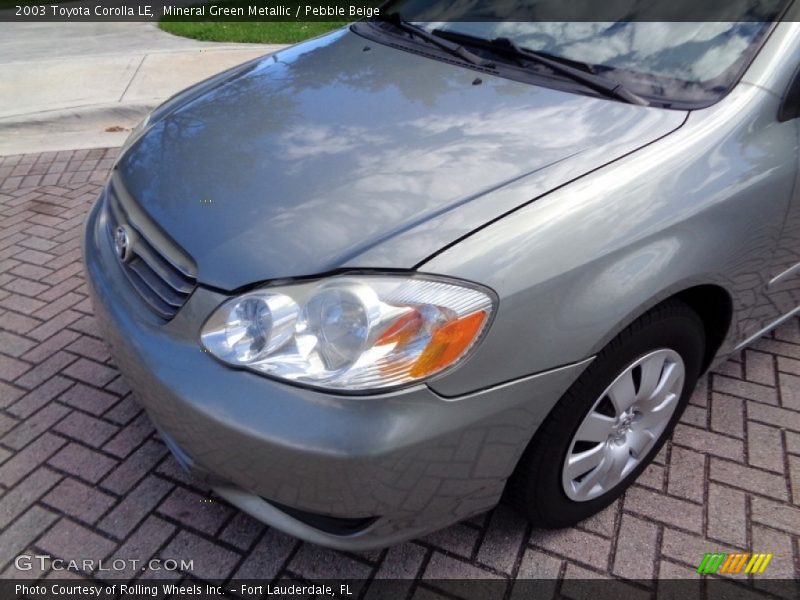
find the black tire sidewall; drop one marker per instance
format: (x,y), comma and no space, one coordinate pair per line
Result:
(538,479)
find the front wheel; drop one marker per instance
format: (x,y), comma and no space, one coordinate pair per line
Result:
(612,421)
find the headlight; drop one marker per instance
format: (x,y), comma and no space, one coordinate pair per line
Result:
(353,333)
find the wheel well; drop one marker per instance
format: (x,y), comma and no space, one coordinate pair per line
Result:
(715,308)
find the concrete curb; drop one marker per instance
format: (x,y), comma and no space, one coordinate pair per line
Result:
(98,126)
(65,118)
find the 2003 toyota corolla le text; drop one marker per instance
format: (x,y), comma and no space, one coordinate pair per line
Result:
(370,285)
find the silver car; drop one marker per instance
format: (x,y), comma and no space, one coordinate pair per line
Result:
(373,284)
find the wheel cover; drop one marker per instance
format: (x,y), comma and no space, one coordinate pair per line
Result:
(623,425)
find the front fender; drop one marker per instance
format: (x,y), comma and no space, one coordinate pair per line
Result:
(703,206)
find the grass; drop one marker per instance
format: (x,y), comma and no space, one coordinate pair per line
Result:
(259,32)
(239,29)
(228,30)
(264,32)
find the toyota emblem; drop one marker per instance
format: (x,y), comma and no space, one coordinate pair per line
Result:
(122,244)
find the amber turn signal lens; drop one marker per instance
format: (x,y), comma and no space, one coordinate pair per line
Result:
(448,344)
(402,331)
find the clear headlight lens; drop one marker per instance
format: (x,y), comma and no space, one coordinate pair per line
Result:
(352,332)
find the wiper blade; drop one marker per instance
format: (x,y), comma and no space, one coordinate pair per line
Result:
(600,84)
(397,21)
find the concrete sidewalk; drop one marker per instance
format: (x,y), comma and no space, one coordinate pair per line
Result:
(69,86)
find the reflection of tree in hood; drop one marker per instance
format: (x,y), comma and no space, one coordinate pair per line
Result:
(267,130)
(311,156)
(276,96)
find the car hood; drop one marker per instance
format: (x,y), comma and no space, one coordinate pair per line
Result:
(339,151)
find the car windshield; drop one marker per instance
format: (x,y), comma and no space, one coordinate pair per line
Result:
(671,62)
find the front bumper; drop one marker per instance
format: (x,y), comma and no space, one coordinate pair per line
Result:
(405,462)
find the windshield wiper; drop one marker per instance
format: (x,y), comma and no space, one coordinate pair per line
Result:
(577,71)
(397,21)
(600,84)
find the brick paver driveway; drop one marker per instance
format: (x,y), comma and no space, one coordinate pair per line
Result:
(83,474)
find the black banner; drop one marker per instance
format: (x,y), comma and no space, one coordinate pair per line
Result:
(465,589)
(412,10)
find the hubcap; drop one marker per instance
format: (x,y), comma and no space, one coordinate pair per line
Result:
(624,424)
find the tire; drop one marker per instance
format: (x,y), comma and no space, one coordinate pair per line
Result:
(552,494)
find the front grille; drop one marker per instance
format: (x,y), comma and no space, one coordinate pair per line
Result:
(159,271)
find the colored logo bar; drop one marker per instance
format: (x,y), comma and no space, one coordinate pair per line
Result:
(719,562)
